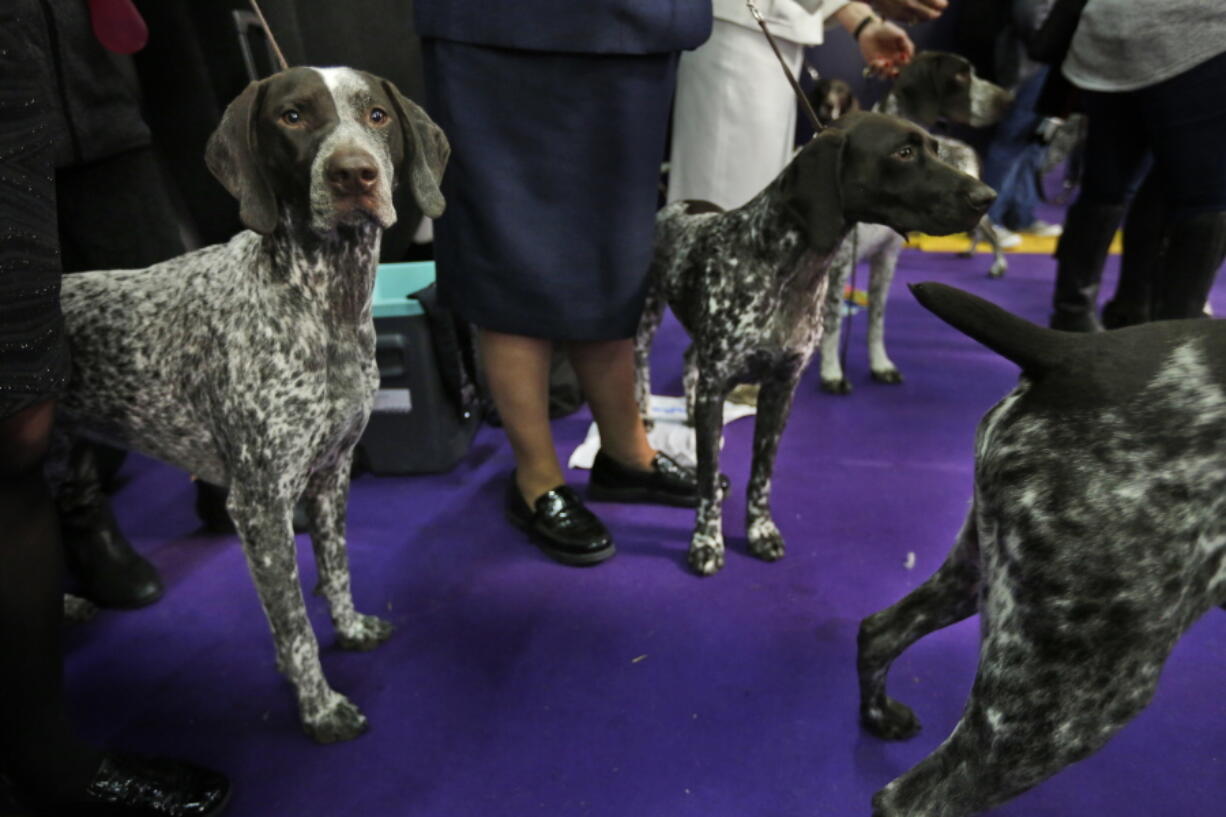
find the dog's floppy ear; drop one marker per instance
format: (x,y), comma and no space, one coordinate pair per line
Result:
(232,155)
(812,190)
(425,149)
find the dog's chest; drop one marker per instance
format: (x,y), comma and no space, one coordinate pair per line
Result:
(755,309)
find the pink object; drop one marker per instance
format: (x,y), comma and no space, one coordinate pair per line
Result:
(118,25)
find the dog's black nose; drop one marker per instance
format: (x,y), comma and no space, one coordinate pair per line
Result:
(981,196)
(351,172)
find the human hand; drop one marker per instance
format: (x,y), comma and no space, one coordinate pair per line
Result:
(911,11)
(885,48)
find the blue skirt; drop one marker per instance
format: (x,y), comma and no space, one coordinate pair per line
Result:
(552,186)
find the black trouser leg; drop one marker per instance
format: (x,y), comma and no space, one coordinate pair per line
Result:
(37,746)
(1080,255)
(1141,264)
(1196,246)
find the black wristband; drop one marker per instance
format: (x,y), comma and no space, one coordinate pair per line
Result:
(855,35)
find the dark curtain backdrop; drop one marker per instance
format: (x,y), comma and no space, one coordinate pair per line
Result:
(193,67)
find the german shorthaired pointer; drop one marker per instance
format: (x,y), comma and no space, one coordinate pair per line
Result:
(939,86)
(749,284)
(252,364)
(934,86)
(1096,536)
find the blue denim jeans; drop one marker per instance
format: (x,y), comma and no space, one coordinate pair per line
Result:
(1013,158)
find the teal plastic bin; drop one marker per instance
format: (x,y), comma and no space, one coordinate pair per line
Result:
(415,427)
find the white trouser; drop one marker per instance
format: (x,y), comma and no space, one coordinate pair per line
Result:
(734,119)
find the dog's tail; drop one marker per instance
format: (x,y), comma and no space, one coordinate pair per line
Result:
(1036,349)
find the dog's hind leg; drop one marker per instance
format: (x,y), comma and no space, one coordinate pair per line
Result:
(326,498)
(834,380)
(949,596)
(774,404)
(706,554)
(880,278)
(263,513)
(1060,672)
(653,313)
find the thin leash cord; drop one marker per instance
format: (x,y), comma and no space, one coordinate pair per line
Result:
(800,94)
(268,33)
(817,128)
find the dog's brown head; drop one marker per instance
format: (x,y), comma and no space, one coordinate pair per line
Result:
(831,98)
(938,85)
(329,144)
(879,169)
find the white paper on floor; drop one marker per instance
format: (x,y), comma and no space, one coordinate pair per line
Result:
(669,433)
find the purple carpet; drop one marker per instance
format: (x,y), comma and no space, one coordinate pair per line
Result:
(515,686)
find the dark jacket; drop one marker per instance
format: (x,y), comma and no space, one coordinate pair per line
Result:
(577,26)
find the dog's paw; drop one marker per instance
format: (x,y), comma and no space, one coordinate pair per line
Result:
(998,270)
(840,386)
(706,560)
(366,633)
(765,541)
(892,376)
(894,721)
(340,721)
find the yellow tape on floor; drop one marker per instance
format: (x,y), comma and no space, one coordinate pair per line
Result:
(1033,244)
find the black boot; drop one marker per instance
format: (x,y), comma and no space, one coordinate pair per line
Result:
(1195,248)
(1081,253)
(108,571)
(1141,264)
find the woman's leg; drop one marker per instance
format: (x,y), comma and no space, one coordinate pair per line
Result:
(606,372)
(37,745)
(517,370)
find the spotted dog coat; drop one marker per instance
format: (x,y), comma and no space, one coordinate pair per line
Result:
(748,286)
(934,86)
(1095,537)
(251,363)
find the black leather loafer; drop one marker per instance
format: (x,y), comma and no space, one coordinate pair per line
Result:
(561,526)
(130,786)
(667,483)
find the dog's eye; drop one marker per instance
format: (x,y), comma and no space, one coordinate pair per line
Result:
(906,153)
(291,117)
(378,116)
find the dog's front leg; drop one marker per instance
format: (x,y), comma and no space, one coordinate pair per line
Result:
(326,498)
(706,555)
(880,277)
(988,231)
(949,596)
(834,380)
(263,514)
(774,403)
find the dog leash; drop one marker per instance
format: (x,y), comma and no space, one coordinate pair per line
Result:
(276,49)
(804,101)
(817,128)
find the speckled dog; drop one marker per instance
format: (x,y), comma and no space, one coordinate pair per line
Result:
(251,364)
(1096,536)
(748,285)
